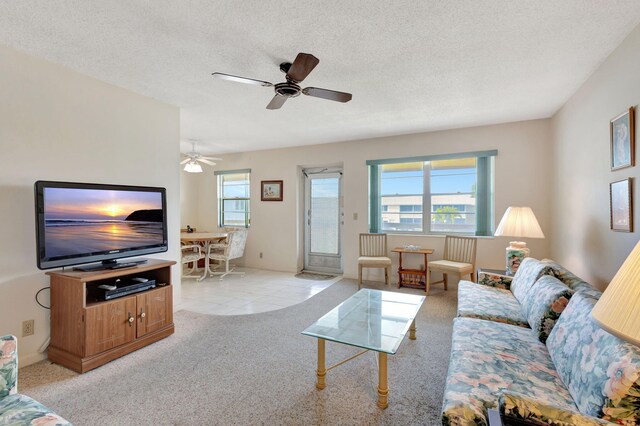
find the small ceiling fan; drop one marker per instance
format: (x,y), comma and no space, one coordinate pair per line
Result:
(193,159)
(295,73)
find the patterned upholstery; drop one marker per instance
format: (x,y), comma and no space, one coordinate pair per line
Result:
(601,371)
(495,280)
(528,273)
(16,409)
(489,357)
(544,305)
(520,407)
(489,303)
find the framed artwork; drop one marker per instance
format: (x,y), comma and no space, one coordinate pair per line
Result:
(271,190)
(622,131)
(621,207)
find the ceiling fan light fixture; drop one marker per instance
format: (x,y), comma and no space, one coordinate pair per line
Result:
(193,167)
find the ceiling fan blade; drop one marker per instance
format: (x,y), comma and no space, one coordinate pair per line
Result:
(210,158)
(211,163)
(331,95)
(276,102)
(244,80)
(302,66)
(186,160)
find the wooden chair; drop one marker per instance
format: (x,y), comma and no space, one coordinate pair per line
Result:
(373,254)
(459,258)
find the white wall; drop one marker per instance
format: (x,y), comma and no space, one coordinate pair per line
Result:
(582,239)
(56,124)
(522,178)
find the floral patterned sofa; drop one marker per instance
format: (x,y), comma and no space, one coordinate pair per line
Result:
(16,409)
(528,348)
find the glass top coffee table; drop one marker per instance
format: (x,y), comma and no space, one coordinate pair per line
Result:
(370,319)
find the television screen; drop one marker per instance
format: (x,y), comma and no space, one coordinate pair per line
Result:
(81,223)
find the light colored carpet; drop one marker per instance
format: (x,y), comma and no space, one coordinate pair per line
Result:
(256,369)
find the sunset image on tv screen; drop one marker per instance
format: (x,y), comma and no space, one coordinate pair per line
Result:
(84,221)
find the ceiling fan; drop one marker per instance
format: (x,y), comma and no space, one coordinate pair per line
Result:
(295,73)
(193,159)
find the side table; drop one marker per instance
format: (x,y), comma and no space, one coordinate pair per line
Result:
(494,278)
(414,278)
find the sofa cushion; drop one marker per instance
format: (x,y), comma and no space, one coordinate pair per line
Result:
(489,357)
(21,410)
(544,305)
(489,303)
(601,371)
(526,276)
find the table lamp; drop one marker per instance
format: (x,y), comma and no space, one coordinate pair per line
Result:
(518,222)
(618,309)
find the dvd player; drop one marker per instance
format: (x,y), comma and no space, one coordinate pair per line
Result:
(123,289)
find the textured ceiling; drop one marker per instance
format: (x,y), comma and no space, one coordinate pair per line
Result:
(412,66)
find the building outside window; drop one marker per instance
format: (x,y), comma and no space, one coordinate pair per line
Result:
(432,196)
(234,198)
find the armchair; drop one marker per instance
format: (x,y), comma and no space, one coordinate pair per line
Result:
(232,248)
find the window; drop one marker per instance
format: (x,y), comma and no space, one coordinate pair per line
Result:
(450,194)
(233,198)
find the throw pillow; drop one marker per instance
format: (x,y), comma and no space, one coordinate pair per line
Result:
(544,304)
(601,371)
(526,276)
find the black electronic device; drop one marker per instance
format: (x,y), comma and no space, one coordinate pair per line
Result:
(122,288)
(79,223)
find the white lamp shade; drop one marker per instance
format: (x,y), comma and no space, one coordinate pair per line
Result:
(193,167)
(618,310)
(519,222)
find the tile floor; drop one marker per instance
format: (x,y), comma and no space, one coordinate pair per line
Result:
(257,291)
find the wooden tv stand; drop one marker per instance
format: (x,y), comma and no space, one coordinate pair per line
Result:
(86,333)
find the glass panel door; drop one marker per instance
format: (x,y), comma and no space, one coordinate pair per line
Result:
(323,229)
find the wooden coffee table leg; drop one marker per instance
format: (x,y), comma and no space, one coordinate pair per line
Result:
(383,389)
(321,372)
(412,330)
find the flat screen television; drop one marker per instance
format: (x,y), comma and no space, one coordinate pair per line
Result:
(80,223)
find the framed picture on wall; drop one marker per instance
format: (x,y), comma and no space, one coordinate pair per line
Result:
(622,133)
(271,190)
(621,206)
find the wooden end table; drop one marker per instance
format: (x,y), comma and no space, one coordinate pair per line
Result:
(414,278)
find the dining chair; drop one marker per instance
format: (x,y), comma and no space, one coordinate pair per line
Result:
(231,248)
(373,254)
(190,255)
(459,257)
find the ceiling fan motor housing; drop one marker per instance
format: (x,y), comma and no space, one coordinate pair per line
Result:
(288,89)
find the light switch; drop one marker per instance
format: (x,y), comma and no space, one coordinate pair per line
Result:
(355,216)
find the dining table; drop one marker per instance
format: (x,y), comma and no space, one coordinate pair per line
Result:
(205,239)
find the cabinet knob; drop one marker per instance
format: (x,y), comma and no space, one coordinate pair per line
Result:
(142,314)
(131,320)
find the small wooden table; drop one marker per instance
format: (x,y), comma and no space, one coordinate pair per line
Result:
(414,278)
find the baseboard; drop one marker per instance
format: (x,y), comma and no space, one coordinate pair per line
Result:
(29,359)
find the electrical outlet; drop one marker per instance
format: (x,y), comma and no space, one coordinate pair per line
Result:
(260,255)
(28,328)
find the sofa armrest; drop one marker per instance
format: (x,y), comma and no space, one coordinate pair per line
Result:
(493,279)
(8,365)
(517,409)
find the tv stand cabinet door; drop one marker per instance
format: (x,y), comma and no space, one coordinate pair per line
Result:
(110,324)
(154,310)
